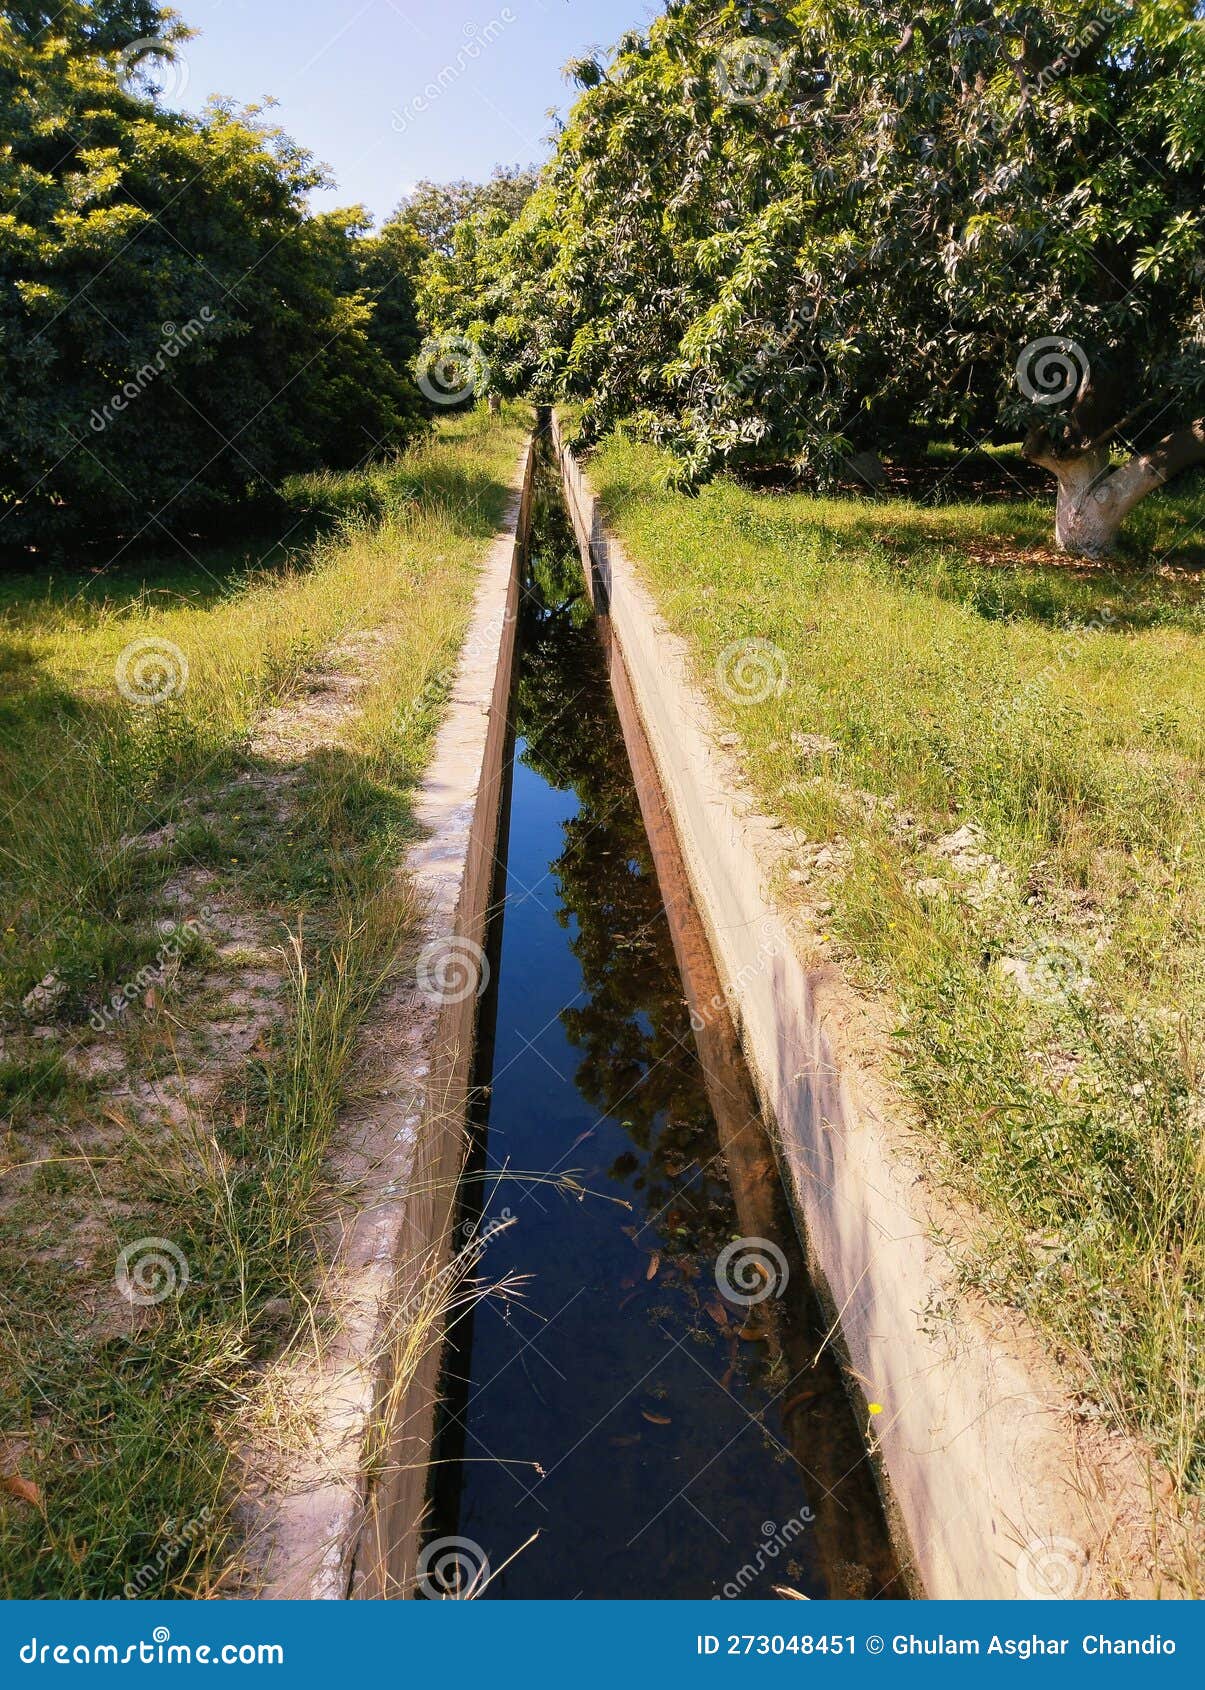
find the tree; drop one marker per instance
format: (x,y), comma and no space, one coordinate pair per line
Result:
(1030,182)
(175,326)
(385,269)
(794,233)
(455,235)
(436,210)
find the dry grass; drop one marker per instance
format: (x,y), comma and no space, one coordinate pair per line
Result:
(201,1113)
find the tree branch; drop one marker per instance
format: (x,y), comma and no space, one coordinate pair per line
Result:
(1177,451)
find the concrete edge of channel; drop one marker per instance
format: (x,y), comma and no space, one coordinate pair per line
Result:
(346,1519)
(988,1479)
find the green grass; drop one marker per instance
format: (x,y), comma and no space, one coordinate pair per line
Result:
(118,815)
(1049,1007)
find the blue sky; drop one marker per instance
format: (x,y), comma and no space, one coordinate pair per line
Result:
(350,78)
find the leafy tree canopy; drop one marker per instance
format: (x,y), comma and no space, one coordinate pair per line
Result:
(788,233)
(175,325)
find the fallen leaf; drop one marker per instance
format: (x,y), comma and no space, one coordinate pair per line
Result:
(717,1311)
(752,1334)
(797,1402)
(23,1489)
(626,1442)
(654,1265)
(656,1419)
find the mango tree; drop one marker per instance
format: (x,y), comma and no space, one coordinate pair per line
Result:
(798,234)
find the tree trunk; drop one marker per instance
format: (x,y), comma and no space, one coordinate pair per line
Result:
(1093,501)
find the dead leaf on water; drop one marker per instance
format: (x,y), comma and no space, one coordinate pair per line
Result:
(654,1265)
(656,1419)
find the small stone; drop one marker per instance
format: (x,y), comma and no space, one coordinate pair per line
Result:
(45,997)
(966,839)
(729,740)
(814,745)
(930,889)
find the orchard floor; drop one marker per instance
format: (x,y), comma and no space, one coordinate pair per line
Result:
(995,759)
(206,764)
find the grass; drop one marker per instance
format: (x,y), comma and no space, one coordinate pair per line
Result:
(236,871)
(943,672)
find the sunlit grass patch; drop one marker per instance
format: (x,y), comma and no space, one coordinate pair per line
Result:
(1004,758)
(201,906)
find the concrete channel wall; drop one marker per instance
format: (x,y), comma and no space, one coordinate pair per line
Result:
(346,1521)
(985,1477)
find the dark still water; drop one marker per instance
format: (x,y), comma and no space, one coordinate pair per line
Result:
(663,1438)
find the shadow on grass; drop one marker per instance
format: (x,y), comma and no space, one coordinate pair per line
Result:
(197,570)
(996,558)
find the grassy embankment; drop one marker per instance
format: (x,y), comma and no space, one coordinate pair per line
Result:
(944,672)
(242,884)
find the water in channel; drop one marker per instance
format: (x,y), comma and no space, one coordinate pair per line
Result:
(665,1440)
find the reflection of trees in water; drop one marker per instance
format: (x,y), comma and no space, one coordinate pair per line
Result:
(639,1063)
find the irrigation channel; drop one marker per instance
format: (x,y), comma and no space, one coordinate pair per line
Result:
(659,1403)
